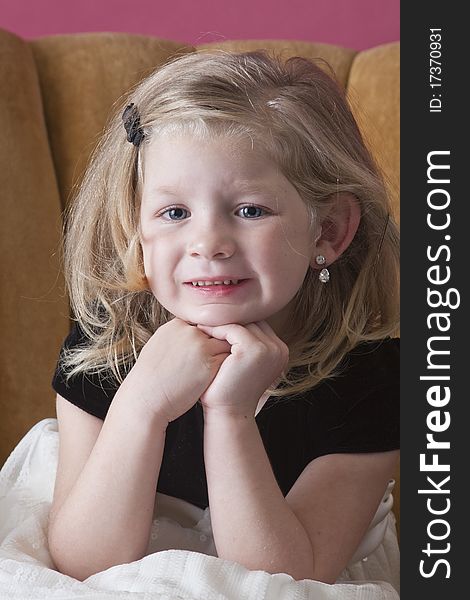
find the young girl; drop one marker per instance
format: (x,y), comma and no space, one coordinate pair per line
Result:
(232,269)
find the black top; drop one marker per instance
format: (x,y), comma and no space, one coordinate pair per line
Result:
(358,411)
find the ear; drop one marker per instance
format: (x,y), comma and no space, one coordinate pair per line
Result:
(337,228)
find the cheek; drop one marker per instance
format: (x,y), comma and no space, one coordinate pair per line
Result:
(160,265)
(292,248)
(154,258)
(153,246)
(284,267)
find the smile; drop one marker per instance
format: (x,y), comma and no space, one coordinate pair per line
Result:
(207,283)
(218,288)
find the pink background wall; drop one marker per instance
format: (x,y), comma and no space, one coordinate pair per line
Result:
(356,24)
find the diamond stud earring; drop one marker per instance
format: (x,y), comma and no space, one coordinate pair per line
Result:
(324,275)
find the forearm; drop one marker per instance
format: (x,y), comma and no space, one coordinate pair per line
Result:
(251,521)
(106,518)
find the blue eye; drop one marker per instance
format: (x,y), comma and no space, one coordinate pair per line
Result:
(252,212)
(175,213)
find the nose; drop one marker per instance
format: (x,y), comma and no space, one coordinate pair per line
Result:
(211,241)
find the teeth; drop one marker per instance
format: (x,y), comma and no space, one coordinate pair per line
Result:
(207,283)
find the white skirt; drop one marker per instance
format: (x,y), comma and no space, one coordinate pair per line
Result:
(181,561)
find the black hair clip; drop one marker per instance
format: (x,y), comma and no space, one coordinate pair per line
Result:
(131,120)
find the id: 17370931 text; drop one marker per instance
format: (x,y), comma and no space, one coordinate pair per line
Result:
(435,70)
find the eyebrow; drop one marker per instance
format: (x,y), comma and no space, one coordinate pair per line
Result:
(256,187)
(167,190)
(242,186)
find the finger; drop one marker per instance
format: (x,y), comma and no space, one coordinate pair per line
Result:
(216,345)
(258,332)
(219,346)
(268,336)
(233,333)
(206,328)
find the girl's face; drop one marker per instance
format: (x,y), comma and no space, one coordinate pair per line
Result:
(219,210)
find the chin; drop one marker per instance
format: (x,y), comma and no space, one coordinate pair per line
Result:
(214,320)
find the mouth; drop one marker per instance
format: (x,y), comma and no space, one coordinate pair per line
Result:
(214,282)
(218,287)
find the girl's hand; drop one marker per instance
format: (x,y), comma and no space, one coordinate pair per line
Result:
(257,358)
(174,368)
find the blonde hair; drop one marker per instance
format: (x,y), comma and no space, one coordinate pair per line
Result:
(300,116)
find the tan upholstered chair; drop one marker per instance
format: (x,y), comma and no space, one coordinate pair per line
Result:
(55,95)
